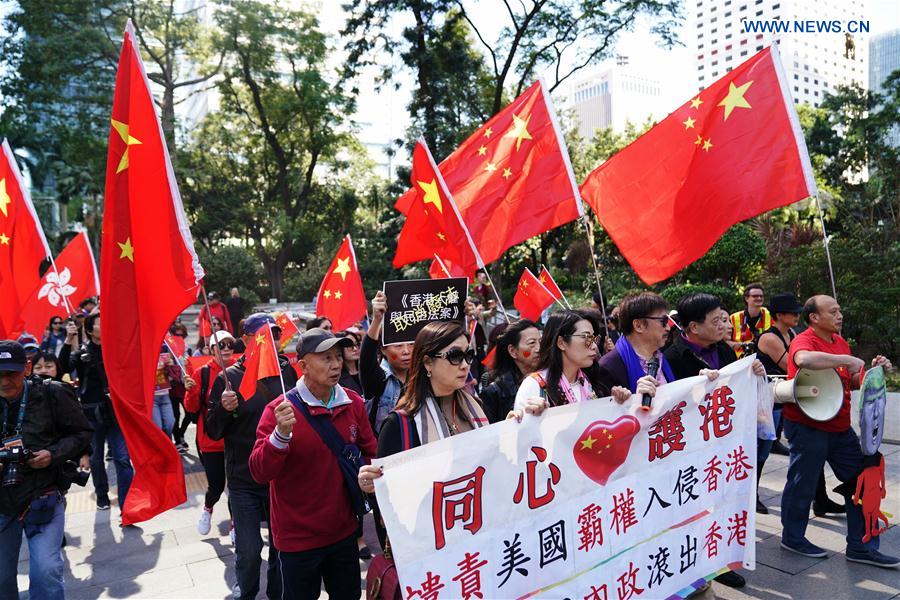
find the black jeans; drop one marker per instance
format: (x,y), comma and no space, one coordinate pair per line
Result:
(249,507)
(337,564)
(214,465)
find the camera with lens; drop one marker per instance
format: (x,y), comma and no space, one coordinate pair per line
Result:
(12,459)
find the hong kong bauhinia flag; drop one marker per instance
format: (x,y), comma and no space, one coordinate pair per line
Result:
(149,273)
(433,227)
(62,288)
(512,178)
(23,248)
(341,297)
(734,151)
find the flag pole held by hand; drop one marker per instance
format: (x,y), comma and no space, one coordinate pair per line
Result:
(216,355)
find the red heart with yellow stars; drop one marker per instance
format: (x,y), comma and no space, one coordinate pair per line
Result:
(603,447)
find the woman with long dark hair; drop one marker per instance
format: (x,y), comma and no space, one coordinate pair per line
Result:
(567,369)
(516,354)
(55,336)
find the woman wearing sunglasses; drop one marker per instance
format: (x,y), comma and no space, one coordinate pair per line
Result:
(55,336)
(567,369)
(212,452)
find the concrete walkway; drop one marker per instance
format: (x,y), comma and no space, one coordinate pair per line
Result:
(167,558)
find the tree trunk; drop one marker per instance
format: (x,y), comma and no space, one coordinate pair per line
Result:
(168,120)
(275,275)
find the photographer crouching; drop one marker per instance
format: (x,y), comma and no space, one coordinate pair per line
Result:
(43,426)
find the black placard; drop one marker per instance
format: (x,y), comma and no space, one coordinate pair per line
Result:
(414,303)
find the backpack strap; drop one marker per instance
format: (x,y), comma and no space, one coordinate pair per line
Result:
(405,431)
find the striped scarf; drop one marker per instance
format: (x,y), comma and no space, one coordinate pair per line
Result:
(430,421)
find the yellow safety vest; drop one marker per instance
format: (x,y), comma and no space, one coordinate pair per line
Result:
(743,333)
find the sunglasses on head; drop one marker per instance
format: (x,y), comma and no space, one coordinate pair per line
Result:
(455,356)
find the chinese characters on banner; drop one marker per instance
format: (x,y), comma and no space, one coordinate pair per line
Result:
(412,304)
(590,501)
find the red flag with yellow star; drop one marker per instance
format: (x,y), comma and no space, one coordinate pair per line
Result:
(433,226)
(512,178)
(734,151)
(149,273)
(23,248)
(532,298)
(262,361)
(341,297)
(285,320)
(548,282)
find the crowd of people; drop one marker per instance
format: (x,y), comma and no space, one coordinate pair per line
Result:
(343,399)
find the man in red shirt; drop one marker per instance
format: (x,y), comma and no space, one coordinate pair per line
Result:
(815,442)
(313,520)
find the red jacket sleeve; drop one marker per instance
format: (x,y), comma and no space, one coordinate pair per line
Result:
(266,461)
(192,396)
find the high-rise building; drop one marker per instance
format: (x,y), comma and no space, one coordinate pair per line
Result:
(728,32)
(884,57)
(613,95)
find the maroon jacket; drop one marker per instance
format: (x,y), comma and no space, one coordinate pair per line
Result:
(311,506)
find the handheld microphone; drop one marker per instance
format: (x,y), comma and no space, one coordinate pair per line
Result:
(652,369)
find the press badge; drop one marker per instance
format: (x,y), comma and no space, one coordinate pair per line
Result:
(13,441)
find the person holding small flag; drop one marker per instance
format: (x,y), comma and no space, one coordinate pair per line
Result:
(234,412)
(303,436)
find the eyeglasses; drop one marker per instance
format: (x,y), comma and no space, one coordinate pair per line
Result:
(663,320)
(455,356)
(56,322)
(225,346)
(589,338)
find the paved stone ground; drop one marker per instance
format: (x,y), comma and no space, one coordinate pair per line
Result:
(167,558)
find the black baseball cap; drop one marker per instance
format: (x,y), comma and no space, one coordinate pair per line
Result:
(318,340)
(12,356)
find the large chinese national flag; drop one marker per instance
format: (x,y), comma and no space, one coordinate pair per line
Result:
(532,298)
(22,248)
(512,178)
(341,297)
(433,227)
(734,151)
(62,288)
(149,273)
(262,361)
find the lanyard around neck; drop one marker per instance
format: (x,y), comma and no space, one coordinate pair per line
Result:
(21,418)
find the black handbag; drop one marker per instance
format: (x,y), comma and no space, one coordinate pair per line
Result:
(349,456)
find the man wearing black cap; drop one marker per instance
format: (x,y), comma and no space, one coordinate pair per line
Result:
(42,424)
(234,419)
(315,533)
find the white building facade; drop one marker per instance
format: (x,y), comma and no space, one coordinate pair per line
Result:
(612,96)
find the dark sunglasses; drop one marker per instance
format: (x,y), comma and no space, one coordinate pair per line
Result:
(664,320)
(455,356)
(56,322)
(225,346)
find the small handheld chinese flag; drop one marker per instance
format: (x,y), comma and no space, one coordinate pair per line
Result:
(532,298)
(149,273)
(548,282)
(341,297)
(285,320)
(512,178)
(262,361)
(734,151)
(176,344)
(62,288)
(23,248)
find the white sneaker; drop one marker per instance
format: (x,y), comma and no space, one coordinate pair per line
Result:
(204,524)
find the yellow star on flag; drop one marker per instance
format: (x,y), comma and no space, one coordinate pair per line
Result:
(338,294)
(488,132)
(524,283)
(588,443)
(327,294)
(507,173)
(699,140)
(122,129)
(696,102)
(431,196)
(441,236)
(260,338)
(4,240)
(707,144)
(490,168)
(689,123)
(735,98)
(343,268)
(127,250)
(482,151)
(519,130)
(4,198)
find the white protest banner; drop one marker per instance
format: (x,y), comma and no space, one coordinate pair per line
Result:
(592,500)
